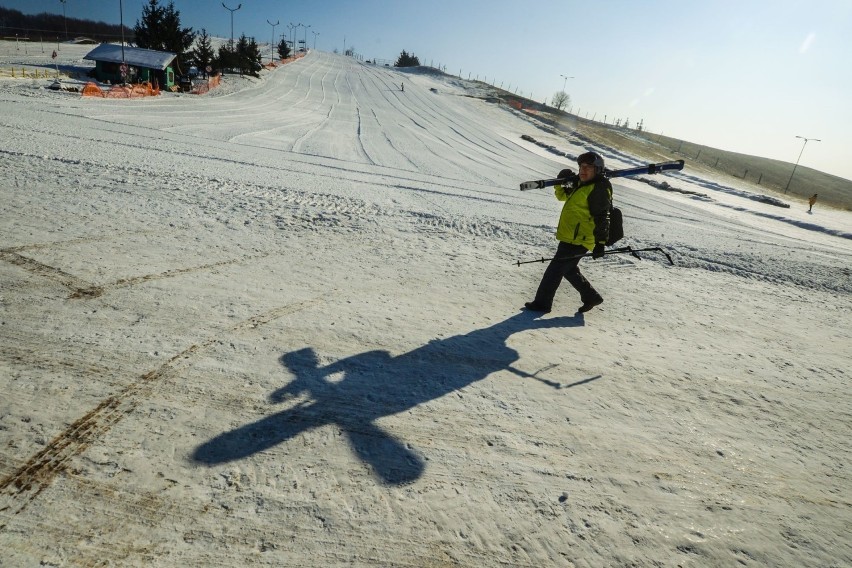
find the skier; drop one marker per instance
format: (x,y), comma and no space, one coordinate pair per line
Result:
(402,87)
(583,226)
(811,202)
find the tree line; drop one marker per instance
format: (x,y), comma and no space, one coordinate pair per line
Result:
(160,28)
(52,26)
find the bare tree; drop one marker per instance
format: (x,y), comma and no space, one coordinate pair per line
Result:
(561,99)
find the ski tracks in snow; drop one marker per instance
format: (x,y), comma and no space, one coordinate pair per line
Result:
(25,484)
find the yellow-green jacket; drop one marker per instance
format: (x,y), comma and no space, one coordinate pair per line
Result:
(585,216)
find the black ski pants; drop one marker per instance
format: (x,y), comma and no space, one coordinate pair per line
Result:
(565,265)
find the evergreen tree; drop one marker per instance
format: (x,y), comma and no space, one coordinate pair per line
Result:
(175,38)
(248,56)
(225,58)
(147,30)
(254,58)
(203,54)
(241,54)
(160,29)
(283,49)
(406,60)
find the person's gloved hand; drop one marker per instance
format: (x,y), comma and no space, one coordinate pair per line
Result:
(598,251)
(567,174)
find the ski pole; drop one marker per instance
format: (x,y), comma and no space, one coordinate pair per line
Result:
(622,250)
(613,251)
(657,249)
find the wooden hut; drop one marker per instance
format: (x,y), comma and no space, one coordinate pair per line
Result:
(140,65)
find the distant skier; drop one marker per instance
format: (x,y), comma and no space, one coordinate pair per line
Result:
(811,202)
(402,87)
(583,226)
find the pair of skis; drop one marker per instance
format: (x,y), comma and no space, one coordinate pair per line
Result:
(647,169)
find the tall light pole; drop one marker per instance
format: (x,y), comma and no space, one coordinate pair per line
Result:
(64,19)
(121,17)
(232,10)
(290,27)
(272,45)
(315,38)
(565,82)
(296,36)
(799,158)
(306,38)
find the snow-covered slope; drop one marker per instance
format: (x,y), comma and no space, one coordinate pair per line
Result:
(278,325)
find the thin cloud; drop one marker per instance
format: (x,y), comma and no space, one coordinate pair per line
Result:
(806,45)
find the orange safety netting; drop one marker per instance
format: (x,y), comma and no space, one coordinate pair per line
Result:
(121,91)
(92,90)
(293,57)
(213,82)
(204,87)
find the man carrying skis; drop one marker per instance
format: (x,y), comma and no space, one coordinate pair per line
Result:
(583,226)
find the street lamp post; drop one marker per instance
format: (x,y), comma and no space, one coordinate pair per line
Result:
(296,36)
(232,10)
(64,19)
(121,17)
(799,158)
(306,38)
(315,38)
(290,28)
(565,82)
(272,45)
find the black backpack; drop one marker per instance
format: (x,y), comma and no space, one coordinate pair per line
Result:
(616,226)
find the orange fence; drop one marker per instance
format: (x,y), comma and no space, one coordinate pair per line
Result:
(274,64)
(121,91)
(146,90)
(211,83)
(292,58)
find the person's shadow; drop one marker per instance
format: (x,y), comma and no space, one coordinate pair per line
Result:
(375,384)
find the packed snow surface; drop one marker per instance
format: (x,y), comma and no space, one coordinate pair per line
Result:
(279,324)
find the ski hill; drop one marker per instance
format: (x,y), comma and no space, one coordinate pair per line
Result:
(280,324)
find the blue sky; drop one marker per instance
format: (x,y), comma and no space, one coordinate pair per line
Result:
(747,76)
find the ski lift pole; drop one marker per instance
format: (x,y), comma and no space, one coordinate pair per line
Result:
(621,250)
